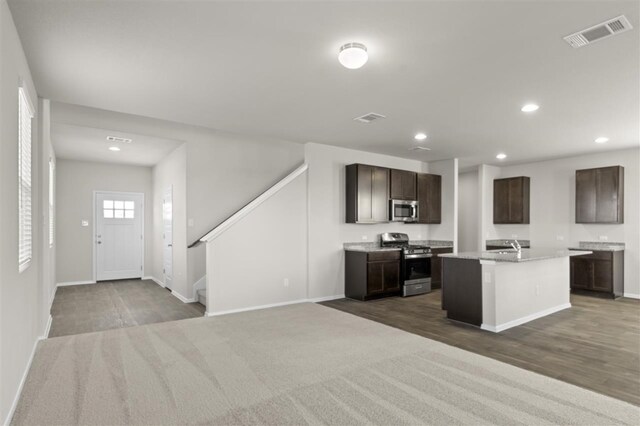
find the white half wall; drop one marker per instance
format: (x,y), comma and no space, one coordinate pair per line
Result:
(171,171)
(328,230)
(553,207)
(262,259)
(76,182)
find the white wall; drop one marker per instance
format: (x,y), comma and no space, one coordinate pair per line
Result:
(468,214)
(327,228)
(171,171)
(249,263)
(76,182)
(23,306)
(448,228)
(553,207)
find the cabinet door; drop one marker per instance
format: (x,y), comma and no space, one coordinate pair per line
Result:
(581,273)
(409,185)
(380,195)
(391,276)
(429,196)
(516,201)
(375,277)
(395,191)
(501,201)
(606,194)
(602,276)
(586,196)
(365,193)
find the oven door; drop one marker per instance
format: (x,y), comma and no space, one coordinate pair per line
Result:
(416,268)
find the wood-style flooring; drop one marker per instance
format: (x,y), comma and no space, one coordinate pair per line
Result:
(115,304)
(595,344)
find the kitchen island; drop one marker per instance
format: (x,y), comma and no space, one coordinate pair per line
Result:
(500,289)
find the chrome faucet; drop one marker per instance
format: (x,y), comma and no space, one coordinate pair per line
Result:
(516,245)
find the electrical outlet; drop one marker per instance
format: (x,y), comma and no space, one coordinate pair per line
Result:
(603,238)
(286,282)
(560,237)
(365,238)
(85,223)
(514,235)
(419,236)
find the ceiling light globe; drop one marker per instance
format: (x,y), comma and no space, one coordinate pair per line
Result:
(420,136)
(114,148)
(529,108)
(602,139)
(353,55)
(501,156)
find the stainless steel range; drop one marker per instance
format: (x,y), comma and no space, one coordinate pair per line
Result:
(415,261)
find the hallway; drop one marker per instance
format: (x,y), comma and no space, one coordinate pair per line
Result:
(115,304)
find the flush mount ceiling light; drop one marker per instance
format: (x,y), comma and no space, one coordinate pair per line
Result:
(602,139)
(353,55)
(529,108)
(420,136)
(501,156)
(114,148)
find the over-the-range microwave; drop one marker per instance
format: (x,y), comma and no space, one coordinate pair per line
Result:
(403,211)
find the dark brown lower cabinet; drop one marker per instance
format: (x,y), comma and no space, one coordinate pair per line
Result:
(368,275)
(601,272)
(436,266)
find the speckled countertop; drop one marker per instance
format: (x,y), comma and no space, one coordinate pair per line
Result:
(598,246)
(367,247)
(527,255)
(506,242)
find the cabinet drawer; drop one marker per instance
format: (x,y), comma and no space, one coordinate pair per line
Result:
(378,256)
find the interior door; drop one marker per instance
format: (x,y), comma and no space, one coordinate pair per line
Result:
(119,235)
(167,237)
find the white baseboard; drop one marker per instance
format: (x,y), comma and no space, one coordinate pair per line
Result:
(632,295)
(182,298)
(14,405)
(47,328)
(520,321)
(326,298)
(155,280)
(74,283)
(256,308)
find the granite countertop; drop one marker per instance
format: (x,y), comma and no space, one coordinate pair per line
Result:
(527,255)
(598,246)
(367,247)
(506,242)
(434,243)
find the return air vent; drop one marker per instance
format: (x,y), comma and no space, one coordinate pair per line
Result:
(118,139)
(598,32)
(368,118)
(419,148)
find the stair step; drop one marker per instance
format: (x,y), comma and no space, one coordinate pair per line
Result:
(202,296)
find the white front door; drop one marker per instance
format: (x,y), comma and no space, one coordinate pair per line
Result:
(119,235)
(167,237)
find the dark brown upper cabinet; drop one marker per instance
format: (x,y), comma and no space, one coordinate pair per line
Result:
(600,195)
(403,185)
(367,194)
(429,193)
(511,200)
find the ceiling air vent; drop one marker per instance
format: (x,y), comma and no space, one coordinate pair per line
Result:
(598,32)
(118,139)
(368,118)
(419,148)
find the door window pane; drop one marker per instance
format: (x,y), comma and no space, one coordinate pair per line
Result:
(129,205)
(108,214)
(128,214)
(107,204)
(119,214)
(118,205)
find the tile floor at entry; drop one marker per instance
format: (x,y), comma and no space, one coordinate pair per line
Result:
(115,304)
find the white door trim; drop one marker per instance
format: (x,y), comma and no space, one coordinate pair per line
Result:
(95,223)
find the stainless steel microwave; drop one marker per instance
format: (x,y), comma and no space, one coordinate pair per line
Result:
(403,211)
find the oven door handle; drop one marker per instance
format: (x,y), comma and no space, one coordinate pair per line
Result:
(417,256)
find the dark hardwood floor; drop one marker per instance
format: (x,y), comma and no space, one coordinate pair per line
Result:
(595,344)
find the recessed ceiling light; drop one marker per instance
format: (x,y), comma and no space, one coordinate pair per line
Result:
(114,148)
(501,156)
(420,136)
(602,139)
(353,55)
(529,108)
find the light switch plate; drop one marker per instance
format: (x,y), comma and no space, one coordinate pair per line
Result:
(603,238)
(364,238)
(85,223)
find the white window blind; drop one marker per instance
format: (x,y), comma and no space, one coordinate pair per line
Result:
(52,210)
(25,227)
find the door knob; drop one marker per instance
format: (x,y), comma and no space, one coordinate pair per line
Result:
(169,245)
(99,242)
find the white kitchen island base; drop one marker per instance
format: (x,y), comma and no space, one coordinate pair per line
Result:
(497,291)
(516,293)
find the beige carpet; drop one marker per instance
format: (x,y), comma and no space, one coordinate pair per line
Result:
(299,364)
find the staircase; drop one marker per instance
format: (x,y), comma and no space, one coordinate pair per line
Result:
(202,296)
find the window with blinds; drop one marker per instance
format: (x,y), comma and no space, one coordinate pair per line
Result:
(25,225)
(52,211)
